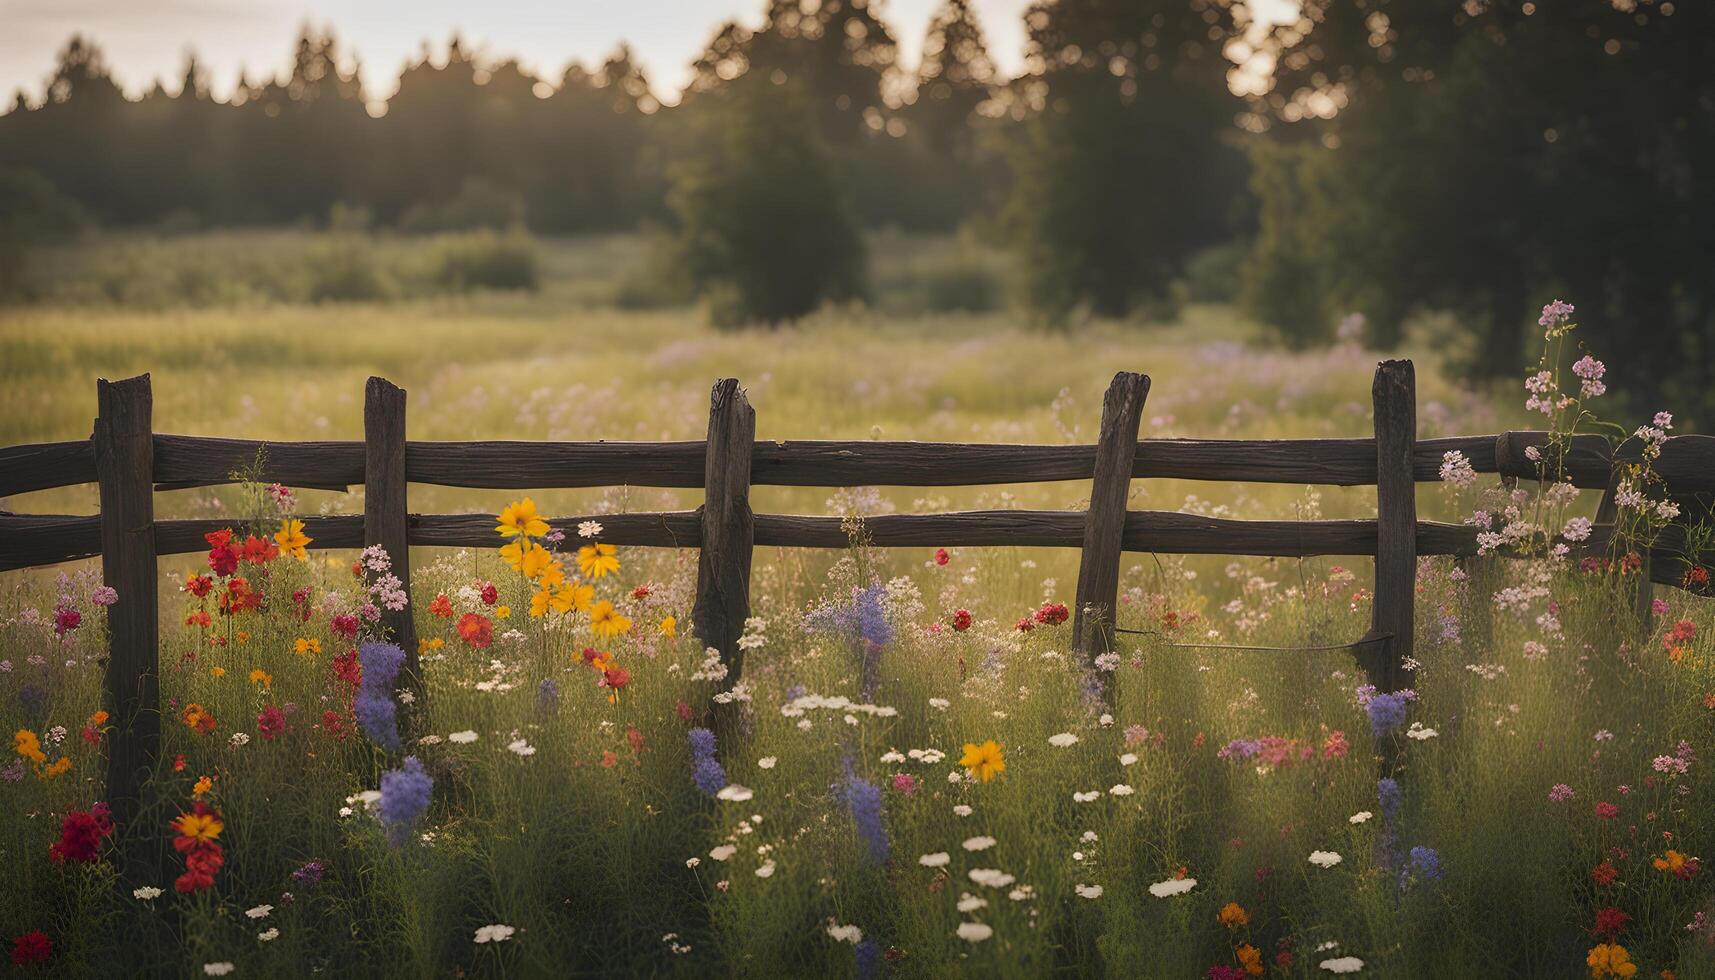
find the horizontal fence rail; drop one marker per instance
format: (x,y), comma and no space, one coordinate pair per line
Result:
(181,462)
(129,461)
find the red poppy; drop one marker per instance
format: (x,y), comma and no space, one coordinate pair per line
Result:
(477,630)
(260,551)
(941,556)
(32,947)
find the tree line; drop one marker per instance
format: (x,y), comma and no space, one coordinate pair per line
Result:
(1384,157)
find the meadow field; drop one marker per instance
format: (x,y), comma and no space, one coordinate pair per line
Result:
(919,783)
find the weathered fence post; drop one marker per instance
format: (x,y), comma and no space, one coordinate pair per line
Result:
(728,528)
(1394,393)
(1104,523)
(385,521)
(124,443)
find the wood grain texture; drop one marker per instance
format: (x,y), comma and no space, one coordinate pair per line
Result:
(385,521)
(1104,523)
(45,466)
(1393,607)
(124,453)
(728,527)
(201,461)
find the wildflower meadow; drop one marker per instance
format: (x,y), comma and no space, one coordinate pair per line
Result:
(914,775)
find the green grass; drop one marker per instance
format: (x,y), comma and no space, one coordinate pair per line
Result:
(596,859)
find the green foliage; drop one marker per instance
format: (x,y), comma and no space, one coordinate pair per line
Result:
(1289,276)
(765,230)
(479,204)
(486,260)
(32,212)
(343,269)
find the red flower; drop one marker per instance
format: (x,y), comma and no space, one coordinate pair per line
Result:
(260,551)
(271,722)
(1605,873)
(941,556)
(66,620)
(32,947)
(490,594)
(684,711)
(641,592)
(198,585)
(1606,811)
(222,558)
(1226,972)
(477,630)
(442,606)
(179,762)
(615,677)
(346,668)
(81,833)
(1610,921)
(1024,625)
(961,620)
(333,724)
(635,737)
(1052,614)
(345,624)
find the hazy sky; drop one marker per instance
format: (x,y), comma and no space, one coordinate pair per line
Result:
(146,39)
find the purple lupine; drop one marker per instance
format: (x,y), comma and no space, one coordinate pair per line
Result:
(405,793)
(706,770)
(1387,712)
(374,706)
(864,798)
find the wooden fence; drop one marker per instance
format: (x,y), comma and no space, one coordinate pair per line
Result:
(130,461)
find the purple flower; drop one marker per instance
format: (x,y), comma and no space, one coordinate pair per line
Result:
(1426,862)
(1388,792)
(1387,712)
(864,798)
(374,705)
(405,793)
(1554,313)
(104,595)
(864,619)
(547,694)
(13,772)
(706,771)
(1239,748)
(868,960)
(310,875)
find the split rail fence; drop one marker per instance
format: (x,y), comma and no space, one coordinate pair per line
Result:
(130,461)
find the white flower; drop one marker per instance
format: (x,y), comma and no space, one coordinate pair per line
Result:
(992,877)
(1172,887)
(766,870)
(938,859)
(521,747)
(970,903)
(845,934)
(974,932)
(268,935)
(1064,740)
(494,933)
(734,793)
(692,862)
(239,739)
(1121,789)
(894,756)
(462,738)
(1129,759)
(962,810)
(430,740)
(1343,964)
(723,852)
(1089,891)
(147,893)
(979,843)
(1362,816)
(1087,797)
(766,762)
(588,529)
(1420,733)
(1325,859)
(217,969)
(939,704)
(259,912)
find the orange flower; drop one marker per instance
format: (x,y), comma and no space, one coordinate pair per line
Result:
(203,785)
(477,630)
(197,719)
(442,606)
(1250,958)
(1233,915)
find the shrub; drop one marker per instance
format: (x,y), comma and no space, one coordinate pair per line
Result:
(486,260)
(344,269)
(479,203)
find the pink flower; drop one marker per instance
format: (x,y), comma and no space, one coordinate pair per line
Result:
(941,556)
(1559,793)
(104,595)
(904,783)
(1606,811)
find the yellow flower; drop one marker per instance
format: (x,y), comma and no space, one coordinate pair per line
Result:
(307,646)
(27,745)
(244,636)
(1673,861)
(292,538)
(437,643)
(549,575)
(58,769)
(217,672)
(983,761)
(199,826)
(596,560)
(202,786)
(669,627)
(514,553)
(521,519)
(262,677)
(1250,958)
(1610,960)
(502,612)
(607,620)
(1233,915)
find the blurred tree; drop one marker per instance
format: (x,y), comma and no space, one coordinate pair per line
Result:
(1126,164)
(765,232)
(597,159)
(1489,157)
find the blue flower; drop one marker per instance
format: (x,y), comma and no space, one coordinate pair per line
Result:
(706,771)
(1426,862)
(1387,712)
(1387,790)
(864,798)
(547,694)
(405,793)
(868,960)
(374,706)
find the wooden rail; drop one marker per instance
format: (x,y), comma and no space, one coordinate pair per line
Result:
(129,460)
